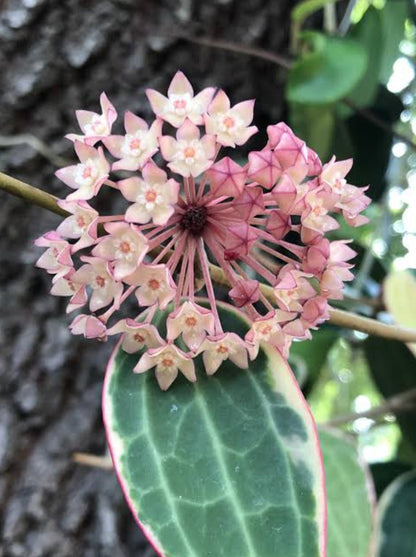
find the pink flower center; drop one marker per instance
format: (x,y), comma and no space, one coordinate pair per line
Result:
(81,222)
(222,349)
(100,281)
(167,362)
(228,122)
(153,284)
(190,321)
(266,330)
(87,172)
(189,152)
(135,144)
(151,196)
(139,338)
(179,103)
(125,247)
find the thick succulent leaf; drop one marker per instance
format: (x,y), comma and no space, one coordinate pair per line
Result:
(228,466)
(350,497)
(396,532)
(400,298)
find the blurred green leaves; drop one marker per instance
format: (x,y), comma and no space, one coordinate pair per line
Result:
(337,94)
(349,497)
(327,72)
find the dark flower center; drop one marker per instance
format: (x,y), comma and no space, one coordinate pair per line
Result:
(194,219)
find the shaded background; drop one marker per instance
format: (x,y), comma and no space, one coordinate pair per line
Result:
(56,57)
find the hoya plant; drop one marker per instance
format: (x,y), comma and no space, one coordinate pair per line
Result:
(215,266)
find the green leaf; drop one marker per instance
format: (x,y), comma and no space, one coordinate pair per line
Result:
(350,497)
(393,368)
(315,125)
(399,293)
(228,466)
(368,32)
(396,532)
(328,72)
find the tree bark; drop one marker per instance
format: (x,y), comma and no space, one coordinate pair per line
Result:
(56,57)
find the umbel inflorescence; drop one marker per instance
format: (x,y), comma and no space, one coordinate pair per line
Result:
(264,221)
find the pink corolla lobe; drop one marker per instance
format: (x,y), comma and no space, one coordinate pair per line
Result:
(265,221)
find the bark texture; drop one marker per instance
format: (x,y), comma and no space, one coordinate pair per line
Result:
(56,57)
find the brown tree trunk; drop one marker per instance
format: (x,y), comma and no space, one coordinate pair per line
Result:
(56,57)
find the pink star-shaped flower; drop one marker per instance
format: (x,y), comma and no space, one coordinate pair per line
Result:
(189,154)
(215,350)
(136,335)
(153,197)
(292,288)
(231,126)
(193,322)
(138,145)
(97,274)
(66,286)
(95,126)
(56,260)
(81,225)
(269,329)
(180,102)
(125,246)
(155,285)
(89,175)
(168,360)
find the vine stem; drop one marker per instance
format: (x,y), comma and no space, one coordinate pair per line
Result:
(30,193)
(337,316)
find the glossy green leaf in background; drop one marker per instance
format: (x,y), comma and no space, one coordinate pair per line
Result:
(327,72)
(350,497)
(396,532)
(229,466)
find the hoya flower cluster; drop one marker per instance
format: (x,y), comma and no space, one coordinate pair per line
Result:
(261,222)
